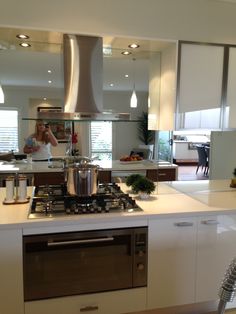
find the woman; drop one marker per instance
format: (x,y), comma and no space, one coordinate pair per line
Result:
(39,143)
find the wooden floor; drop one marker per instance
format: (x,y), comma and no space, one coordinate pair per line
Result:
(188,173)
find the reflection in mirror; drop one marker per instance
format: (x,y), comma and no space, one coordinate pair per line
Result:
(33,77)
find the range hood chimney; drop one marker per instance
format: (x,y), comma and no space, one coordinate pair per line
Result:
(83,82)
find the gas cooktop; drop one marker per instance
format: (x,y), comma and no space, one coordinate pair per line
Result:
(54,201)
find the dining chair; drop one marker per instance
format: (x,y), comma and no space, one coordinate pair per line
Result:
(202,159)
(207,150)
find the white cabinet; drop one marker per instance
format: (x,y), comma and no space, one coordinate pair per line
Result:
(188,258)
(182,151)
(231,94)
(11,272)
(116,302)
(172,258)
(162,90)
(216,248)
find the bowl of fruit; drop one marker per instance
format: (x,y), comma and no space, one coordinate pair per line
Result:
(131,159)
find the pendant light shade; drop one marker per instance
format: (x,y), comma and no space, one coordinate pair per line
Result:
(133,99)
(1,95)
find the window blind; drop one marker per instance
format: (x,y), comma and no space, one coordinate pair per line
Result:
(101,139)
(9,130)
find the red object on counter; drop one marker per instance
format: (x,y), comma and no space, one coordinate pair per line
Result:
(74,138)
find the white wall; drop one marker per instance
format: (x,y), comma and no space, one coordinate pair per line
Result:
(198,20)
(125,134)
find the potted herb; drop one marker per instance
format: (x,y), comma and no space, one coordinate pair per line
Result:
(143,186)
(132,178)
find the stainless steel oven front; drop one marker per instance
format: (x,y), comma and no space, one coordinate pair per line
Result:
(71,263)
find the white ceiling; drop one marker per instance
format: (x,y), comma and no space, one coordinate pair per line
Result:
(28,66)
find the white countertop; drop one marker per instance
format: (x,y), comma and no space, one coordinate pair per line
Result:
(197,198)
(113,165)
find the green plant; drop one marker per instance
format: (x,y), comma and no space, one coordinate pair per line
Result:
(234,172)
(132,178)
(143,185)
(145,135)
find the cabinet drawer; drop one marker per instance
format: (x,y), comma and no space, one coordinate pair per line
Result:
(167,174)
(100,303)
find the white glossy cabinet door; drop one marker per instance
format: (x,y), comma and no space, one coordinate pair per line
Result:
(11,272)
(172,257)
(231,93)
(215,250)
(116,302)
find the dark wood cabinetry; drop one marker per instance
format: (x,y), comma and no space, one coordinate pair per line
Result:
(167,174)
(44,178)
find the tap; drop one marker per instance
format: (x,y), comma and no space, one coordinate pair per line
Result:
(228,287)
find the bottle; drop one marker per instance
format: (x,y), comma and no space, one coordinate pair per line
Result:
(9,189)
(22,190)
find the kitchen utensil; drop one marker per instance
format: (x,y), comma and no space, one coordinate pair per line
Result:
(81,179)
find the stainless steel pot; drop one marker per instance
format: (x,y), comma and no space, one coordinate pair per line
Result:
(81,179)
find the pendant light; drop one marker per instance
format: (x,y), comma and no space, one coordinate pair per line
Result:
(1,95)
(133,99)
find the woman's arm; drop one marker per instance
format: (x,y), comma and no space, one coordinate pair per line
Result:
(51,137)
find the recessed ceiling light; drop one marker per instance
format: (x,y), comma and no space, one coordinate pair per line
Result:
(111,84)
(49,82)
(133,46)
(49,71)
(22,36)
(44,98)
(25,45)
(126,75)
(126,53)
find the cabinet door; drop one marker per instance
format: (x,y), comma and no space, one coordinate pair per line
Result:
(11,272)
(171,266)
(215,249)
(101,303)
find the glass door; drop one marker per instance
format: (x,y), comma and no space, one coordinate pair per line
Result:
(164,145)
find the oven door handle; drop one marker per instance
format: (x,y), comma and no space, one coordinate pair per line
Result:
(95,240)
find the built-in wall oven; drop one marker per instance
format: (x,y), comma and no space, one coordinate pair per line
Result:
(71,263)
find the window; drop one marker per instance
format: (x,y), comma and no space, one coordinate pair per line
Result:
(101,140)
(8,130)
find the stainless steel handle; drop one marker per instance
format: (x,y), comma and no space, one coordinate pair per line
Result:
(89,308)
(80,241)
(162,174)
(210,222)
(183,224)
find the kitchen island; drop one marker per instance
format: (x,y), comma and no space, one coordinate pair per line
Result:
(53,173)
(190,225)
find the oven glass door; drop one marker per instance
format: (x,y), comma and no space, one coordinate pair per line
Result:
(76,263)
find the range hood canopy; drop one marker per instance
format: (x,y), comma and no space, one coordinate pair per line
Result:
(83,82)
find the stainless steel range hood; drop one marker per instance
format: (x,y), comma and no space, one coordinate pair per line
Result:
(83,82)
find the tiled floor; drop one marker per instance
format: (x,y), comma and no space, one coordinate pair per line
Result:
(188,173)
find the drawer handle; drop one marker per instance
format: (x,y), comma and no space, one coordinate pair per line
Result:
(161,174)
(89,308)
(210,222)
(183,224)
